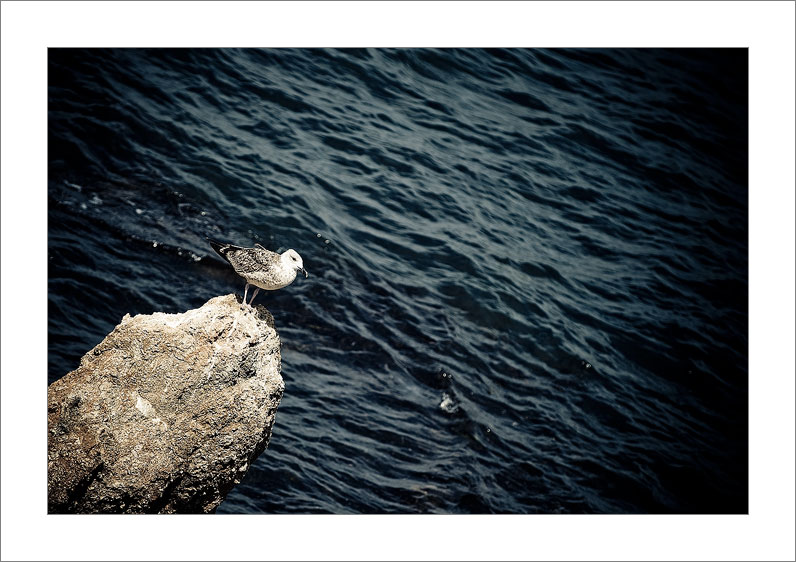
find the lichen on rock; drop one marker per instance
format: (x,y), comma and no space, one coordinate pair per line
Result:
(166,414)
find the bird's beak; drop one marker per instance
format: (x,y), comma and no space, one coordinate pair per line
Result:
(304,271)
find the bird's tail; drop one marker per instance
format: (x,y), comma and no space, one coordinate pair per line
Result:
(222,249)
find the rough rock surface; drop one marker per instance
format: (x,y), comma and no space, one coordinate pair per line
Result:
(166,414)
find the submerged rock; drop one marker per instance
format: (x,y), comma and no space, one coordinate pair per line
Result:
(166,414)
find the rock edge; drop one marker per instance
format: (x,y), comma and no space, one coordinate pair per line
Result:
(166,414)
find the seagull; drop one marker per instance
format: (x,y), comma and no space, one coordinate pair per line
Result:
(260,267)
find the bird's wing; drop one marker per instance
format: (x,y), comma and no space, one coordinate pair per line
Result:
(252,260)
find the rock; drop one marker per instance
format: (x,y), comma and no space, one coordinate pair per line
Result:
(166,414)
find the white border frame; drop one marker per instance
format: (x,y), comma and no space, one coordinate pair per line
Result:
(29,28)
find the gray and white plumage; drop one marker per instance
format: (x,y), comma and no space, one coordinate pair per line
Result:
(260,267)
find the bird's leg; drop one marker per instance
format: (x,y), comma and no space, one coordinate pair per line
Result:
(246,290)
(257,290)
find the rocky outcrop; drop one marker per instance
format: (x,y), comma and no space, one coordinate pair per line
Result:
(166,414)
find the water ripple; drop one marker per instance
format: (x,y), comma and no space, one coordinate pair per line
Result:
(528,287)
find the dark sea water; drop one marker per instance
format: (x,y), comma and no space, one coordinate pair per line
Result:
(528,269)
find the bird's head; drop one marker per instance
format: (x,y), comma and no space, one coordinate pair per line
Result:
(294,260)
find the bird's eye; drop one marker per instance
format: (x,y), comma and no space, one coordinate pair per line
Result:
(292,258)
